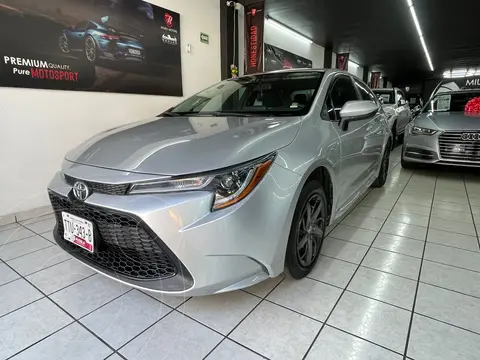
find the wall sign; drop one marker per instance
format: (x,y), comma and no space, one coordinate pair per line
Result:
(254,29)
(342,61)
(127,46)
(204,38)
(277,59)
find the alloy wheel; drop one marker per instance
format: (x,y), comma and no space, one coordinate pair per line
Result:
(386,163)
(310,230)
(63,44)
(90,51)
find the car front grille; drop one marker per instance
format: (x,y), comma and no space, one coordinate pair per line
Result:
(123,244)
(112,189)
(452,147)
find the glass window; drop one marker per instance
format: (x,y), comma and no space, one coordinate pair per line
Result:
(279,94)
(388,96)
(451,102)
(81,25)
(365,92)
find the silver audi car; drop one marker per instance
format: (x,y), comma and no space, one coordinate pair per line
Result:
(229,188)
(445,133)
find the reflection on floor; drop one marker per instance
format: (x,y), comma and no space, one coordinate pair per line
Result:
(400,275)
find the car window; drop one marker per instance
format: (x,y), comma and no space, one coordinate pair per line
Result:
(91,25)
(342,92)
(279,94)
(365,92)
(388,96)
(81,25)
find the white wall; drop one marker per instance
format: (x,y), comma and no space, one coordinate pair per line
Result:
(286,41)
(355,69)
(37,127)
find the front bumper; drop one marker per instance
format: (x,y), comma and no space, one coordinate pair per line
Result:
(443,148)
(212,251)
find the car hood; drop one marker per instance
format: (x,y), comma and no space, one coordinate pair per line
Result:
(183,145)
(448,121)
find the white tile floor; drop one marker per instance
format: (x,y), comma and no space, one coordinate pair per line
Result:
(398,278)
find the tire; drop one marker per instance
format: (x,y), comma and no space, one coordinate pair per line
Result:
(394,136)
(90,49)
(301,258)
(63,44)
(383,174)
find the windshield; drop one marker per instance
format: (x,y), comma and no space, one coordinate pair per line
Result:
(388,96)
(451,102)
(278,94)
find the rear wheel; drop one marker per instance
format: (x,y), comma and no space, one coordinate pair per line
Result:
(383,174)
(90,49)
(307,231)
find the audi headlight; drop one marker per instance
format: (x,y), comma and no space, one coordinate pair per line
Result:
(229,186)
(417,130)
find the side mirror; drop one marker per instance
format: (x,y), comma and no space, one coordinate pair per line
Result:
(356,110)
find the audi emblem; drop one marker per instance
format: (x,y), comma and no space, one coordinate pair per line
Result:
(81,191)
(471,136)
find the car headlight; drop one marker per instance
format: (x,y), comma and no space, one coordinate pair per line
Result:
(417,130)
(229,186)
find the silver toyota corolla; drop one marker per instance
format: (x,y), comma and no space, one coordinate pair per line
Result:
(444,133)
(226,189)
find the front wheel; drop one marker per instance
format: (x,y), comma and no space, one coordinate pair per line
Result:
(90,49)
(307,231)
(63,44)
(383,174)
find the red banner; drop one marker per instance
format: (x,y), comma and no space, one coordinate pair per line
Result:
(375,82)
(342,61)
(254,28)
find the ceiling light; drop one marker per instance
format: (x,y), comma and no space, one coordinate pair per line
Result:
(420,34)
(288,30)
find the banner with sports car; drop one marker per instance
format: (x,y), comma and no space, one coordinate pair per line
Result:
(277,59)
(125,46)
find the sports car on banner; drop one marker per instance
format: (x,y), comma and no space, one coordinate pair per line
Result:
(101,41)
(128,46)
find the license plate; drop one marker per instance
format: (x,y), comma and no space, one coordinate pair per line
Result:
(134,51)
(78,231)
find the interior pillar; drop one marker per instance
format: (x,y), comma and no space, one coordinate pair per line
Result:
(228,32)
(366,70)
(327,58)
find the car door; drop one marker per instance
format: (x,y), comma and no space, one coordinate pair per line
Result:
(354,165)
(375,135)
(76,36)
(403,111)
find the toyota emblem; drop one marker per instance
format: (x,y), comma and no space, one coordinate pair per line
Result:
(471,136)
(81,191)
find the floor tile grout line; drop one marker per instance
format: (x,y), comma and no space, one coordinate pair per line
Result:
(42,339)
(115,351)
(23,238)
(348,284)
(64,310)
(447,323)
(45,268)
(170,306)
(471,211)
(243,319)
(369,341)
(31,252)
(419,276)
(454,266)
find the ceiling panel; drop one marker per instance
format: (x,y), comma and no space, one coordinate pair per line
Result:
(381,33)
